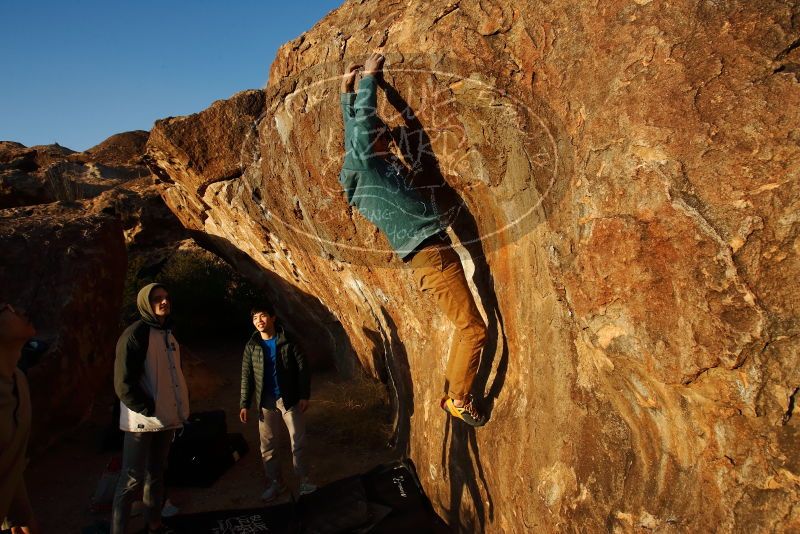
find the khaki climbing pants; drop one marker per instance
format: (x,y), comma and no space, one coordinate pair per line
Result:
(438,272)
(269,423)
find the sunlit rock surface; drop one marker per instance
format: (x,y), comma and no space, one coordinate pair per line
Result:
(49,173)
(623,180)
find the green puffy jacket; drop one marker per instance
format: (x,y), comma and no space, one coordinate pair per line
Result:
(294,379)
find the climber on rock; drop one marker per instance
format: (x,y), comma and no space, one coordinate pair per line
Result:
(376,183)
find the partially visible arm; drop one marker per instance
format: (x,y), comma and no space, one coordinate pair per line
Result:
(366,123)
(348,96)
(349,77)
(247,379)
(128,370)
(365,117)
(303,375)
(346,102)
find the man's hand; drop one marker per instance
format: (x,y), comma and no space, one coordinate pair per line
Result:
(243,415)
(373,64)
(303,405)
(349,77)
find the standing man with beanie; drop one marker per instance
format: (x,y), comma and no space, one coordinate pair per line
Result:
(154,401)
(276,377)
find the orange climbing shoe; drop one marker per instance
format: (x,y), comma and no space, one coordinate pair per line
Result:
(467,413)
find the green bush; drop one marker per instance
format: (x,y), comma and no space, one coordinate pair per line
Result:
(209,299)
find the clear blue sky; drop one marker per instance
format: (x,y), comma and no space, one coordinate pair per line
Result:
(76,72)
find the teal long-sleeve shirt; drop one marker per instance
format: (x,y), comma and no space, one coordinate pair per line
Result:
(376,186)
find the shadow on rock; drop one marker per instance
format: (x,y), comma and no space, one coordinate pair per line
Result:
(457,463)
(320,333)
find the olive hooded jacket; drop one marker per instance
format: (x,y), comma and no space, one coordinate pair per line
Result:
(147,373)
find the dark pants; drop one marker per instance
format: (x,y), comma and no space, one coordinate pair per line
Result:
(144,459)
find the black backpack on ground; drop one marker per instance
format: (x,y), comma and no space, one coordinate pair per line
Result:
(203,450)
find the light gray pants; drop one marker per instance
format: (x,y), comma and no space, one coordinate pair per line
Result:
(144,459)
(269,423)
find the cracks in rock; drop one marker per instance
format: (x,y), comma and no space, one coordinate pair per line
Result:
(788,50)
(160,174)
(298,210)
(790,409)
(342,38)
(680,194)
(388,355)
(492,11)
(447,11)
(682,188)
(789,67)
(698,90)
(694,378)
(684,200)
(201,191)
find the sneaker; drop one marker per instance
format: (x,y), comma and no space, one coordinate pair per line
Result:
(467,413)
(306,487)
(272,491)
(169,509)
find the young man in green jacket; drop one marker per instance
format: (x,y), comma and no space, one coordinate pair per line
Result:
(377,184)
(275,375)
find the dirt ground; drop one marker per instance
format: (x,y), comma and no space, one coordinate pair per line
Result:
(347,427)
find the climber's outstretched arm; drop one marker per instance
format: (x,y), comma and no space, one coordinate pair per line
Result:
(367,98)
(349,77)
(365,108)
(347,97)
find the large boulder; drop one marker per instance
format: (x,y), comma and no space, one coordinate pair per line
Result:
(66,267)
(620,181)
(119,150)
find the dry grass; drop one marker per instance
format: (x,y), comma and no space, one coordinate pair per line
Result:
(352,412)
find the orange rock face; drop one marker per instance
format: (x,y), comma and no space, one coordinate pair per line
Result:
(622,183)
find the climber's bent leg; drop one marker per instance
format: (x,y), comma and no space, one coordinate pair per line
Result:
(438,271)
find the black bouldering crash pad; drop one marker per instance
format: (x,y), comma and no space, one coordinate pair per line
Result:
(386,500)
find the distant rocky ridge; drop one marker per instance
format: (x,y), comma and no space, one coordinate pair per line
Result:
(48,173)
